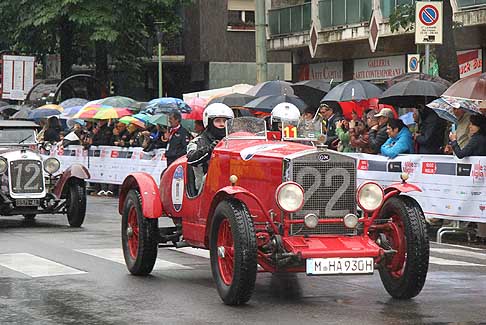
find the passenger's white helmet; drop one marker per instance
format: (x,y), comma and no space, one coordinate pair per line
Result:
(217,110)
(285,112)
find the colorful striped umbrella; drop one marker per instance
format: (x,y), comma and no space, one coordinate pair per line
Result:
(51,106)
(132,120)
(111,113)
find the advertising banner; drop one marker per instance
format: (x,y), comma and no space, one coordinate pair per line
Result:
(379,68)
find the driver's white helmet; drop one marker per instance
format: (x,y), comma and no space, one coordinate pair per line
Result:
(285,112)
(217,110)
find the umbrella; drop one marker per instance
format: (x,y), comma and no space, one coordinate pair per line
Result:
(352,90)
(167,105)
(273,87)
(42,113)
(110,113)
(196,114)
(70,111)
(443,109)
(197,102)
(311,91)
(2,103)
(472,106)
(22,114)
(161,119)
(142,117)
(233,100)
(9,109)
(73,102)
(132,120)
(267,103)
(412,92)
(421,76)
(116,101)
(473,87)
(138,106)
(51,106)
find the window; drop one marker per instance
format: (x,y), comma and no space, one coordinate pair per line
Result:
(241,19)
(344,12)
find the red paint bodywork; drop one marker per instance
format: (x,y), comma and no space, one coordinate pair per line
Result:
(149,192)
(258,179)
(73,171)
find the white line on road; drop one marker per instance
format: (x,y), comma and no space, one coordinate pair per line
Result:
(459,252)
(443,261)
(35,266)
(192,251)
(116,255)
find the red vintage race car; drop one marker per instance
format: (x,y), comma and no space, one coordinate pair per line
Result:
(282,205)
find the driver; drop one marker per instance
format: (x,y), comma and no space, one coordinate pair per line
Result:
(286,116)
(200,148)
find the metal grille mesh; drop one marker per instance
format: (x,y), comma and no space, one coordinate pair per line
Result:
(26,176)
(330,190)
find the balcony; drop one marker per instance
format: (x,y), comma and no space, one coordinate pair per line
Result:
(466,4)
(289,20)
(333,13)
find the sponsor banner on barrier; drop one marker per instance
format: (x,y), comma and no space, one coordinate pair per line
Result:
(112,164)
(451,188)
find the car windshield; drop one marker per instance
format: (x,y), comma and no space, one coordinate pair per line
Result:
(310,130)
(246,128)
(15,136)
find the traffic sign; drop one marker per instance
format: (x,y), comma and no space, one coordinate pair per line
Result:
(428,22)
(413,63)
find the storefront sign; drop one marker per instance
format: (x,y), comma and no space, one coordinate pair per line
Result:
(379,68)
(326,71)
(470,62)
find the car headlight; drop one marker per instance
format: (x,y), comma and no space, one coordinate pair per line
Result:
(51,165)
(290,196)
(370,196)
(47,146)
(3,166)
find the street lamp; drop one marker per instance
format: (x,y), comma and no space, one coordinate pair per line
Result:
(160,36)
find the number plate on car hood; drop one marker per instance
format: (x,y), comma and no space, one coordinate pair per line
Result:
(356,265)
(27,202)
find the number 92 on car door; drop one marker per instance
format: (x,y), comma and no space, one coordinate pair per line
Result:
(357,265)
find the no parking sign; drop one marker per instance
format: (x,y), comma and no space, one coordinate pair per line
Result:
(413,63)
(428,22)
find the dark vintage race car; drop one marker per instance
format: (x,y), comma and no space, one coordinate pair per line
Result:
(282,205)
(30,185)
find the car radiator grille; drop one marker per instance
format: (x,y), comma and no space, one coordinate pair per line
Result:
(26,176)
(329,182)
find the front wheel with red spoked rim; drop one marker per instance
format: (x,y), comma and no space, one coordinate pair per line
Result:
(404,273)
(233,252)
(138,236)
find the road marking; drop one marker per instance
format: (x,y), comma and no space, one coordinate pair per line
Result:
(35,266)
(116,255)
(459,252)
(192,251)
(443,261)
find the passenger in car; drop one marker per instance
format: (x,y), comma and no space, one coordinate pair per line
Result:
(199,149)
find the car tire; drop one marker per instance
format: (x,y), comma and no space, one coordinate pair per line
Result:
(233,252)
(76,202)
(404,274)
(138,236)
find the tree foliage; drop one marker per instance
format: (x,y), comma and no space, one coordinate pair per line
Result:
(118,29)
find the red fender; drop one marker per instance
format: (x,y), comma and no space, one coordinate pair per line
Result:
(75,170)
(149,192)
(403,188)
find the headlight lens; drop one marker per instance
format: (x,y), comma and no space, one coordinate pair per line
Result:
(311,220)
(370,196)
(51,165)
(3,166)
(350,220)
(290,196)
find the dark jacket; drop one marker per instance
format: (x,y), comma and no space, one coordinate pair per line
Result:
(51,135)
(377,138)
(331,135)
(199,150)
(432,133)
(475,147)
(103,137)
(177,146)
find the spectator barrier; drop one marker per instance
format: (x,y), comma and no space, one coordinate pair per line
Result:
(451,188)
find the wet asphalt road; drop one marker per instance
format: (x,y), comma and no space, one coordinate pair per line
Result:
(100,290)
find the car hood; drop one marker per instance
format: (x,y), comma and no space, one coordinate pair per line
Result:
(15,153)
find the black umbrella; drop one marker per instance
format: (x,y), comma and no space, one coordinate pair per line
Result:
(23,113)
(10,109)
(2,103)
(311,91)
(412,92)
(233,100)
(267,103)
(273,87)
(420,76)
(352,90)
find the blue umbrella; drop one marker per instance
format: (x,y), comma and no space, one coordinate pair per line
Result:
(70,111)
(142,117)
(167,105)
(43,112)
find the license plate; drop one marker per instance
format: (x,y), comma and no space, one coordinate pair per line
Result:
(356,265)
(27,202)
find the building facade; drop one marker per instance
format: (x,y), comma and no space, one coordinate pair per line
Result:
(341,39)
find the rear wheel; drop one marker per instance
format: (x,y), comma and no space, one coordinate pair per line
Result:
(233,252)
(138,236)
(76,202)
(404,274)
